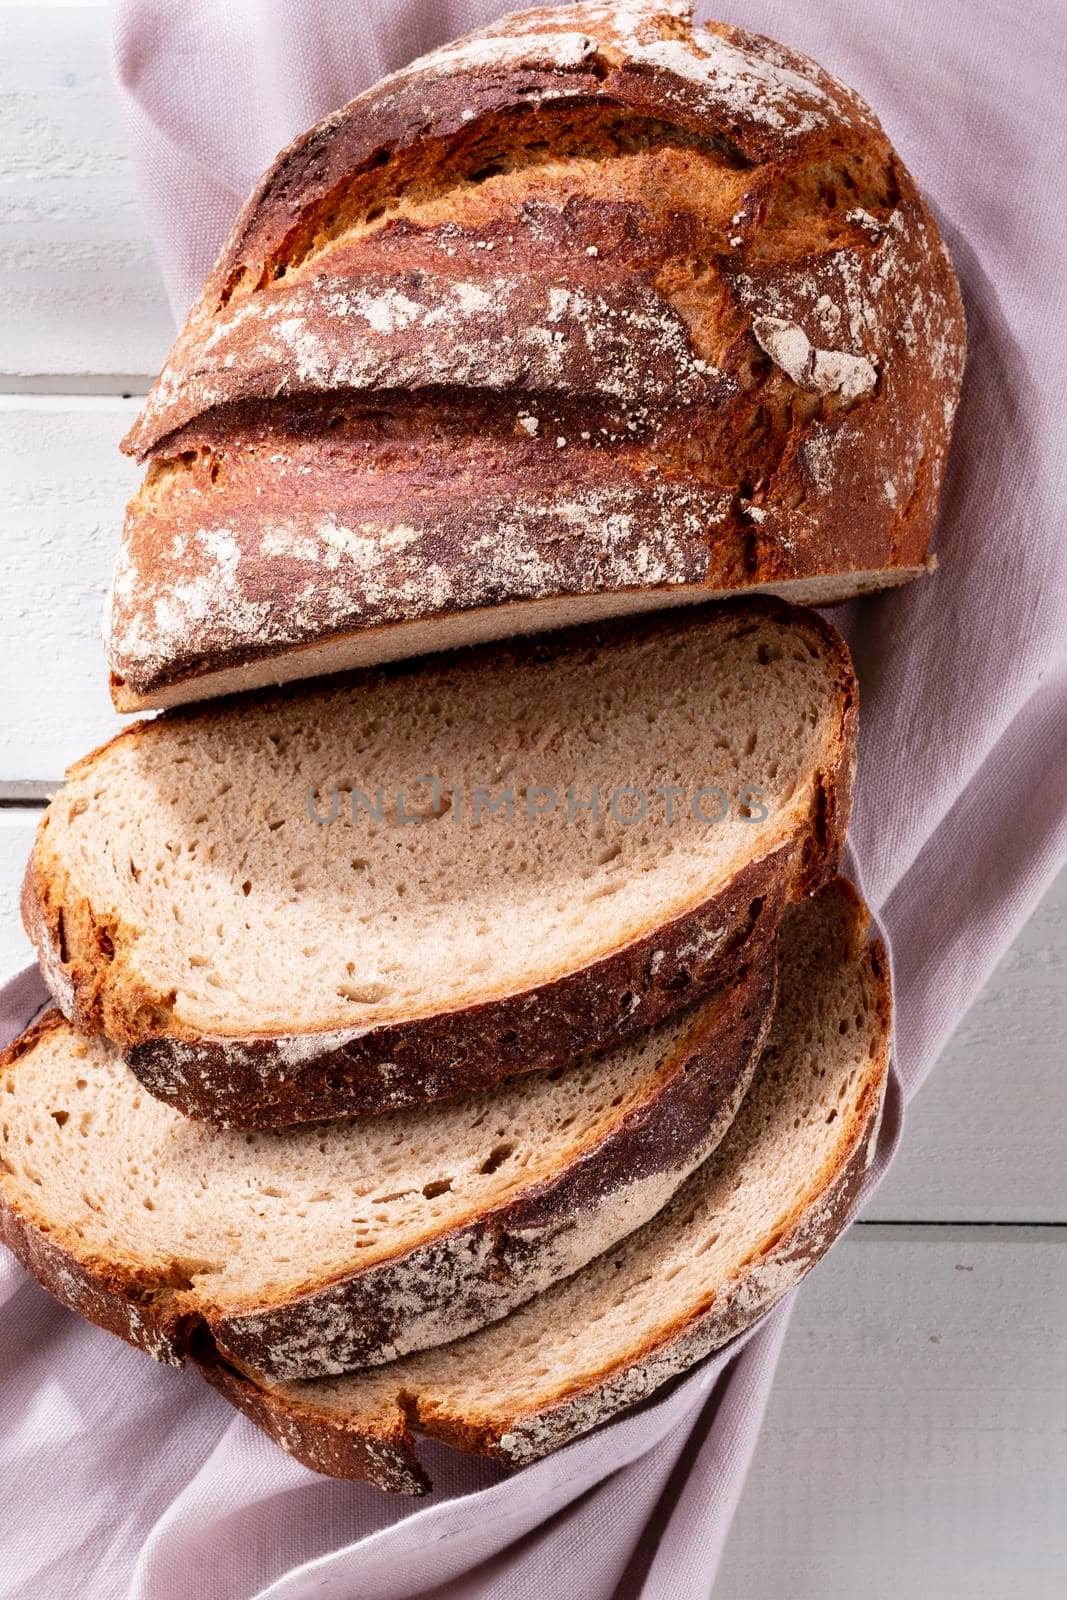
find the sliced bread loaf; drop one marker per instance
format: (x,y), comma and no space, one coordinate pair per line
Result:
(317,1249)
(735,1237)
(661,788)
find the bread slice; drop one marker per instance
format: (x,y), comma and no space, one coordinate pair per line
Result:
(740,1233)
(593,311)
(266,968)
(317,1249)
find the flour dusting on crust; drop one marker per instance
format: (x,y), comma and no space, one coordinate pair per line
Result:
(595,220)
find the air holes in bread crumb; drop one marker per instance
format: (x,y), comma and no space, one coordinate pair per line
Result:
(496,1157)
(362,993)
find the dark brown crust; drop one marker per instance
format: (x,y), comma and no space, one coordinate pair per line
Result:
(454,1282)
(321,1440)
(802,1247)
(667,484)
(327,1440)
(419,108)
(414,107)
(249,1083)
(596,328)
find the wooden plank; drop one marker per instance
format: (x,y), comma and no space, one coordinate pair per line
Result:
(915,1443)
(63,486)
(78,279)
(984,1136)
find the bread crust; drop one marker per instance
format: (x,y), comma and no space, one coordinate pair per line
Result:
(251,1084)
(483,420)
(381,1449)
(322,1440)
(331,1441)
(453,1281)
(260,1082)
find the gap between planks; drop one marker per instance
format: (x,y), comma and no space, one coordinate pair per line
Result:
(64,399)
(103,385)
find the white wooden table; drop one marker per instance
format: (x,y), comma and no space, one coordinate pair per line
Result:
(916,1443)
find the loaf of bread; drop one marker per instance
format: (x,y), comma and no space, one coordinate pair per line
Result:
(590,312)
(651,796)
(350,1243)
(740,1233)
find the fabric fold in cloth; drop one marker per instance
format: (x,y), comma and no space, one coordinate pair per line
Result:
(124,1479)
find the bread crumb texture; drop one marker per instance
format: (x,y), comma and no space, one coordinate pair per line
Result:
(657,790)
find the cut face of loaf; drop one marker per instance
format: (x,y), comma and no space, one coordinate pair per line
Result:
(591,312)
(319,1249)
(740,1233)
(264,967)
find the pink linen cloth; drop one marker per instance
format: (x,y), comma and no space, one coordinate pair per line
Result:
(120,1478)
